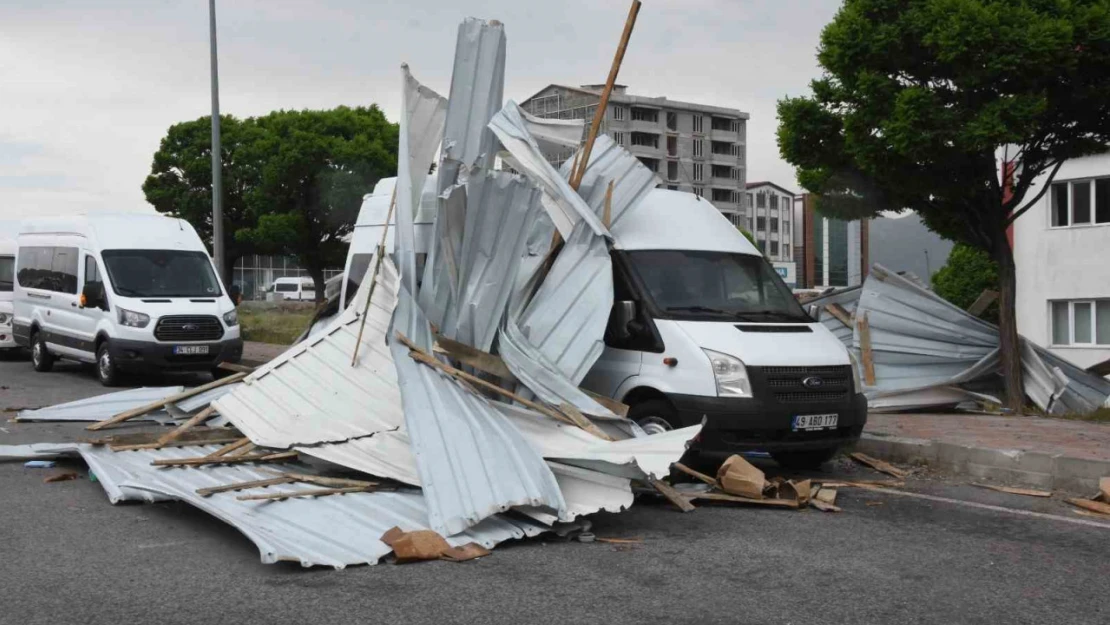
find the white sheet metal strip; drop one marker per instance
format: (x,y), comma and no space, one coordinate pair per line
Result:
(632,181)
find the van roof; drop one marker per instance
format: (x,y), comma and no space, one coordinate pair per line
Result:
(676,220)
(375,206)
(286,279)
(129,231)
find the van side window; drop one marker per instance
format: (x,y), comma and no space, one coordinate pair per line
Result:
(48,268)
(92,272)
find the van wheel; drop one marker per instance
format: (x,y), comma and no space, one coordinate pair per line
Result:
(655,416)
(106,370)
(804,459)
(41,357)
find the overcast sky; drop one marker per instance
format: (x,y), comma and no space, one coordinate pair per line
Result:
(89,87)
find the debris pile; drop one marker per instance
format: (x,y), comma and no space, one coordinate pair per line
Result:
(917,350)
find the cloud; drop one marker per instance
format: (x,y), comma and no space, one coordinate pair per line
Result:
(91,87)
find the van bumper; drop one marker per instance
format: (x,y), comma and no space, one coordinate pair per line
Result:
(141,355)
(751,424)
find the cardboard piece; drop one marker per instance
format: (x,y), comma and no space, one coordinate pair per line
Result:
(797,490)
(826,495)
(1103,490)
(415,546)
(466,552)
(739,477)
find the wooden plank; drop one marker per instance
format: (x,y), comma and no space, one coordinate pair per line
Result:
(879,465)
(474,357)
(823,506)
(1028,492)
(864,484)
(223,451)
(156,405)
(836,310)
(582,422)
(334,482)
(236,367)
(196,420)
(176,443)
(985,299)
(374,276)
(421,356)
(1093,506)
(203,460)
(769,503)
(672,495)
(607,214)
(696,474)
(315,492)
(242,451)
(865,350)
(603,103)
(618,408)
(274,481)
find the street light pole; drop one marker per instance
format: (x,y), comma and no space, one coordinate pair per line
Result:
(217,176)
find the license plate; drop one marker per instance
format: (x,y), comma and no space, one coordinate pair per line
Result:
(190,350)
(815,421)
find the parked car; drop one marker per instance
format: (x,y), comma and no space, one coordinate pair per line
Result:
(702,327)
(7,280)
(126,292)
(295,289)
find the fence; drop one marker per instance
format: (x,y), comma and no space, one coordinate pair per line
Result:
(255,274)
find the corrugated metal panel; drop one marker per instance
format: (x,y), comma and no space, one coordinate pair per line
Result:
(846,299)
(586,492)
(312,394)
(105,406)
(1082,390)
(610,162)
(565,207)
(385,454)
(566,319)
(337,530)
(440,286)
(472,462)
(196,402)
(493,243)
(34,451)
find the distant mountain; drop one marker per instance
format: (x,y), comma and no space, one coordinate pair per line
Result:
(901,243)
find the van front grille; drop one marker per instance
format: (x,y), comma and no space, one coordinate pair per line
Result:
(189,328)
(794,385)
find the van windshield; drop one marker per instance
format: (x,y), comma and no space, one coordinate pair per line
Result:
(7,273)
(161,273)
(711,286)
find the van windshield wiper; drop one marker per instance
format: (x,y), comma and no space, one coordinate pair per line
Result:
(701,309)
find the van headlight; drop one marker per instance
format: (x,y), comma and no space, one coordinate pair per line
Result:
(132,319)
(5,319)
(231,318)
(857,381)
(730,374)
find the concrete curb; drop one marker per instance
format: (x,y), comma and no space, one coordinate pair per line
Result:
(1011,466)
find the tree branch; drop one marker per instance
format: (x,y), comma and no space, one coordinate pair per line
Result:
(1044,189)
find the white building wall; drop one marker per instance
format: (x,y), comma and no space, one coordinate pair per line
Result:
(1070,263)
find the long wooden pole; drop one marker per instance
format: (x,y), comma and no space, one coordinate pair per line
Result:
(599,114)
(374,277)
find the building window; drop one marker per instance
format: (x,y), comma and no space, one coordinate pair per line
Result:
(672,170)
(645,115)
(774,248)
(699,123)
(646,139)
(722,171)
(762,245)
(699,191)
(672,121)
(750,200)
(774,201)
(1080,203)
(699,172)
(760,223)
(722,123)
(785,224)
(774,224)
(618,137)
(672,146)
(650,163)
(721,147)
(786,250)
(736,125)
(618,113)
(699,147)
(723,195)
(1081,322)
(761,199)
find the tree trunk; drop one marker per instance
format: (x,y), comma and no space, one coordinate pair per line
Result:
(317,275)
(1007,324)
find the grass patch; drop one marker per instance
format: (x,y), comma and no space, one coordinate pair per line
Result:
(1102,415)
(273,325)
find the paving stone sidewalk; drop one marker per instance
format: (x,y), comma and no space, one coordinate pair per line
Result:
(1030,451)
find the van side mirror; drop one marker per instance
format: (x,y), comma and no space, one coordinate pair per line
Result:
(92,296)
(624,313)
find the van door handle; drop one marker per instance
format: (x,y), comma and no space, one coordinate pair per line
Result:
(74,304)
(38,296)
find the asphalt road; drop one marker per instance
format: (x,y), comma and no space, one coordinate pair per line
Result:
(67,555)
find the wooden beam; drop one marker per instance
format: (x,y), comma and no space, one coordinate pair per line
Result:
(374,276)
(236,367)
(274,481)
(985,299)
(879,465)
(196,420)
(865,350)
(607,214)
(1028,492)
(771,503)
(156,405)
(696,474)
(223,451)
(181,442)
(672,495)
(618,408)
(836,310)
(582,422)
(315,492)
(424,357)
(192,462)
(603,103)
(1102,509)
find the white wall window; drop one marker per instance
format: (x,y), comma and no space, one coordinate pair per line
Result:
(699,171)
(699,147)
(699,191)
(1080,203)
(1080,322)
(618,137)
(699,123)
(619,113)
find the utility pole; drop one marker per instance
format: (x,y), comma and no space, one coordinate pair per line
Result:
(928,269)
(217,175)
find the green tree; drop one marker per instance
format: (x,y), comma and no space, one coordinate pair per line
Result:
(920,98)
(747,235)
(293,180)
(968,272)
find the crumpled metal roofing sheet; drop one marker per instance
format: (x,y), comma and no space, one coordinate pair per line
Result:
(495,235)
(632,181)
(336,530)
(105,406)
(311,394)
(586,492)
(1078,391)
(440,286)
(846,299)
(565,207)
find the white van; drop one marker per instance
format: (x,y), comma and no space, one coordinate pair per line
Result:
(7,283)
(703,327)
(126,292)
(294,289)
